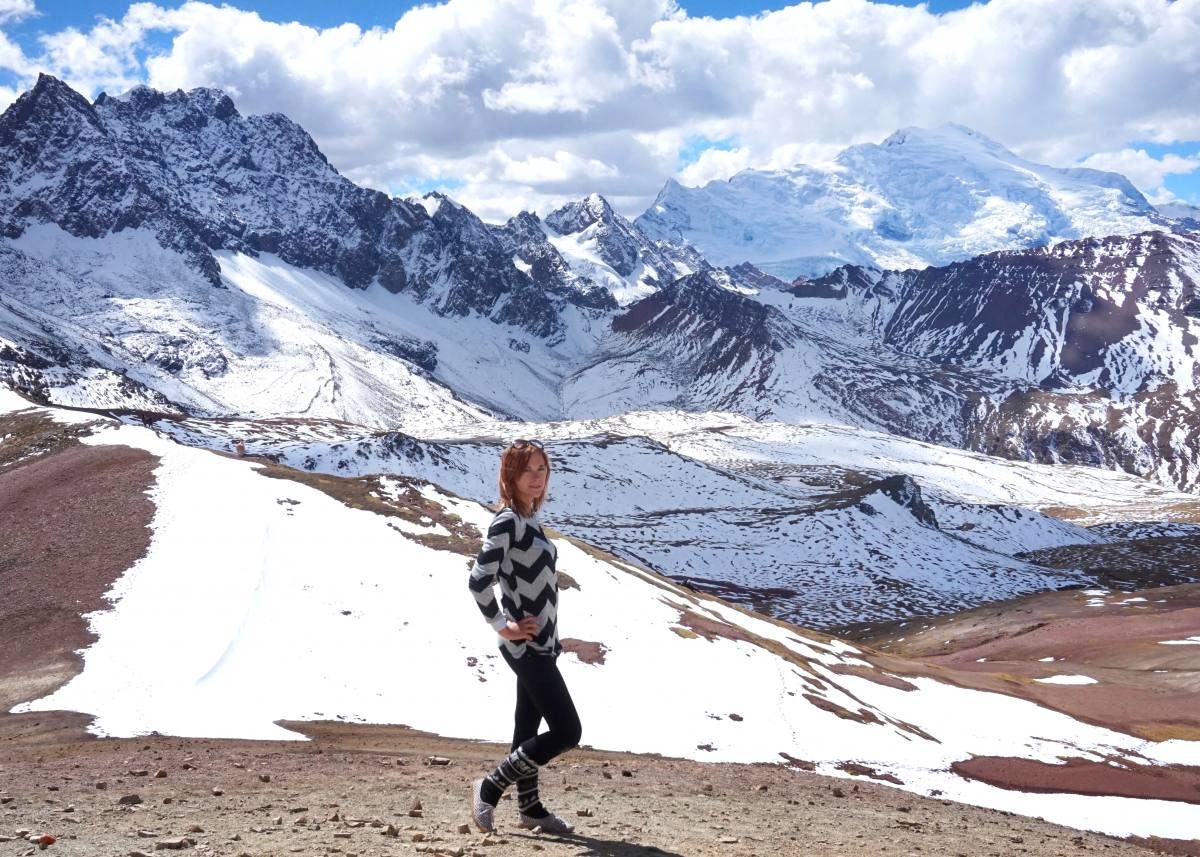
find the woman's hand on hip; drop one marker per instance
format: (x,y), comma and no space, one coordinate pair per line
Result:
(523,629)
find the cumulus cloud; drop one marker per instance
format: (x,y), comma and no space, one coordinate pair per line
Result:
(529,104)
(1145,171)
(15,10)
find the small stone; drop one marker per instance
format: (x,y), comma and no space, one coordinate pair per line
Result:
(419,837)
(416,804)
(437,760)
(278,820)
(140,772)
(736,718)
(129,800)
(391,830)
(626,773)
(138,854)
(264,778)
(837,792)
(584,813)
(148,834)
(761,788)
(101,785)
(728,840)
(606,775)
(68,808)
(160,774)
(342,835)
(172,844)
(195,828)
(464,828)
(217,792)
(416,813)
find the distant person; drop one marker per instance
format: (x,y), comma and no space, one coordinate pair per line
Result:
(518,555)
(239,446)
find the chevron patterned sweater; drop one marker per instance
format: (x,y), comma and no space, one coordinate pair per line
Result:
(518,555)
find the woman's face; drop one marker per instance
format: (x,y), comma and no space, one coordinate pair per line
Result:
(531,483)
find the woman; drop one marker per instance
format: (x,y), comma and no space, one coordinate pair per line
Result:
(518,554)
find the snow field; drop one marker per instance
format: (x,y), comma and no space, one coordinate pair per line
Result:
(262,599)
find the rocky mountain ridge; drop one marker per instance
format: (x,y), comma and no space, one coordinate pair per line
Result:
(415,314)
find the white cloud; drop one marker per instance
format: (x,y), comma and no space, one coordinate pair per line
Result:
(1145,171)
(15,10)
(530,103)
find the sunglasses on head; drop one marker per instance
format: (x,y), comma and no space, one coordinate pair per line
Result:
(521,443)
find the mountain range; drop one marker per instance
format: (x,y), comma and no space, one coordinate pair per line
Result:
(166,255)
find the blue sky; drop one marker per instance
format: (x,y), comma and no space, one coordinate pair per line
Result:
(560,115)
(56,14)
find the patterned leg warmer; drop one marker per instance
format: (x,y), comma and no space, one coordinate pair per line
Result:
(515,766)
(528,801)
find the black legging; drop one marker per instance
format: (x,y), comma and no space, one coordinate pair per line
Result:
(541,692)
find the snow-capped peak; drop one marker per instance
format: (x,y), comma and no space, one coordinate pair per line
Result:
(924,196)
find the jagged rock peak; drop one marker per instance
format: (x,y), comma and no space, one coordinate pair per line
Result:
(203,99)
(905,491)
(577,216)
(48,97)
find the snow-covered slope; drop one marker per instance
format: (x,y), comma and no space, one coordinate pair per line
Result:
(922,197)
(253,627)
(827,526)
(589,241)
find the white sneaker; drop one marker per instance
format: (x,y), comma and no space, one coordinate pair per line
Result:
(482,812)
(550,824)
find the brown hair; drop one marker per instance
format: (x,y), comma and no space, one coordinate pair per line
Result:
(512,464)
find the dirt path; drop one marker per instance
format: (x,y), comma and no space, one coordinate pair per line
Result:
(337,794)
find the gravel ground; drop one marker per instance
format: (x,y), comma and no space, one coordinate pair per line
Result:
(352,791)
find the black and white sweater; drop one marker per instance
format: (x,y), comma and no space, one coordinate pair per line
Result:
(518,554)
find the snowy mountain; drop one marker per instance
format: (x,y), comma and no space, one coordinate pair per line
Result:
(202,178)
(828,527)
(1097,337)
(252,628)
(164,252)
(922,197)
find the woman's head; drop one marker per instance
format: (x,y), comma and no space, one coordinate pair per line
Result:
(524,477)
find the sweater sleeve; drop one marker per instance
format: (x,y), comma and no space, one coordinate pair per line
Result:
(487,568)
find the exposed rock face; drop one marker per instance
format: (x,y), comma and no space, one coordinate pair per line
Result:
(1112,313)
(202,177)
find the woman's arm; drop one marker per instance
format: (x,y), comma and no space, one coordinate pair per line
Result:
(483,580)
(487,568)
